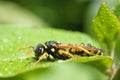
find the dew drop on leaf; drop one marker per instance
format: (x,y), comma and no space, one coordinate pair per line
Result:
(1,74)
(5,40)
(6,69)
(19,37)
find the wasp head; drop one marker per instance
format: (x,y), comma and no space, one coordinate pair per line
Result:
(39,50)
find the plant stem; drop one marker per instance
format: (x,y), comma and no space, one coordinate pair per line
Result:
(116,75)
(111,51)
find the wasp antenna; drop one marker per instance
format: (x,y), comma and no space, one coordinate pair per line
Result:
(27,53)
(31,47)
(24,47)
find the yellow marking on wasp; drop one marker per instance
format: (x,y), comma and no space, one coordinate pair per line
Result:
(53,44)
(65,53)
(74,50)
(42,50)
(52,49)
(45,46)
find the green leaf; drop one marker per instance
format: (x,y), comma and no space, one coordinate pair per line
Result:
(106,25)
(100,62)
(12,67)
(67,71)
(13,38)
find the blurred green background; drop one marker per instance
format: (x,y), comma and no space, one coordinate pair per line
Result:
(65,14)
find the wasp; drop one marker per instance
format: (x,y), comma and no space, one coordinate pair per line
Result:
(62,51)
(47,49)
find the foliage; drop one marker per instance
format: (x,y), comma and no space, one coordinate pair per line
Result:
(106,24)
(107,27)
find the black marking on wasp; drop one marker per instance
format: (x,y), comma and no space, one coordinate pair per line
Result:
(62,51)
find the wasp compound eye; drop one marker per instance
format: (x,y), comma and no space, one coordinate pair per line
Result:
(39,50)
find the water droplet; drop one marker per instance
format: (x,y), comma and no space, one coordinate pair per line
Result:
(11,49)
(6,69)
(1,48)
(1,74)
(104,32)
(9,72)
(103,20)
(112,26)
(21,61)
(93,20)
(5,40)
(19,37)
(60,61)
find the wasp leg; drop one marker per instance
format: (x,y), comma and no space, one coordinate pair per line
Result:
(99,52)
(65,52)
(82,49)
(48,58)
(40,58)
(76,47)
(79,48)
